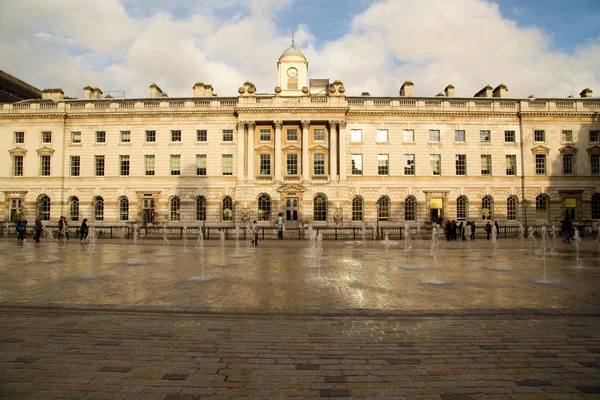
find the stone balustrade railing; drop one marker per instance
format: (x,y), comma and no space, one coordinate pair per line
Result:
(353,103)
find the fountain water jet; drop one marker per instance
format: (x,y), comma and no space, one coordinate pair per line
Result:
(577,239)
(222,244)
(522,236)
(136,237)
(433,252)
(495,246)
(531,238)
(237,244)
(165,247)
(200,259)
(542,252)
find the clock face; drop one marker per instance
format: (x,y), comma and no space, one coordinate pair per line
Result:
(292,72)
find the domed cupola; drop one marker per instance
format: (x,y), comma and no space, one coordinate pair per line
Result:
(292,69)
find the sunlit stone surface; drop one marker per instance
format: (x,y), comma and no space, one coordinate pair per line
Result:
(278,277)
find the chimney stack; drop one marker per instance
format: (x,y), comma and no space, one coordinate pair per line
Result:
(500,91)
(485,92)
(587,92)
(53,94)
(96,94)
(407,89)
(87,92)
(449,90)
(155,91)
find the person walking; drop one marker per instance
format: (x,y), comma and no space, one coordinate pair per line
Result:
(488,230)
(497,228)
(255,232)
(61,226)
(21,229)
(66,228)
(280,226)
(83,231)
(38,228)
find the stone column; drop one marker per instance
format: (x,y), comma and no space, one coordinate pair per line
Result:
(305,125)
(240,152)
(343,139)
(333,151)
(251,126)
(277,158)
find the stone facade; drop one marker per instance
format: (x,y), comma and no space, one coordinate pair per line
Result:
(224,161)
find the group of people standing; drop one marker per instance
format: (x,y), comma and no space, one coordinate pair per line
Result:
(452,230)
(63,229)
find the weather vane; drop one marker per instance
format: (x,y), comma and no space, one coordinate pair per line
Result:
(292,40)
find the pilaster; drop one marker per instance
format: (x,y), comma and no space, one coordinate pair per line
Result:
(333,150)
(251,126)
(277,156)
(305,125)
(240,152)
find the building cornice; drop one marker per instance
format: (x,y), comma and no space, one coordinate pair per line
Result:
(291,110)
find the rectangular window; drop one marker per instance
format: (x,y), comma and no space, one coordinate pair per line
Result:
(356,135)
(409,164)
(486,164)
(201,164)
(18,166)
(357,168)
(567,136)
(124,165)
(45,165)
(292,164)
(227,164)
(509,137)
(319,164)
(435,163)
(75,137)
(459,136)
(408,135)
(175,164)
(383,164)
(540,164)
(382,135)
(125,136)
(201,135)
(461,164)
(539,136)
(228,135)
(100,137)
(567,164)
(291,135)
(150,136)
(20,137)
(485,136)
(265,164)
(434,135)
(511,165)
(176,136)
(265,135)
(149,160)
(595,161)
(319,134)
(46,137)
(594,136)
(99,165)
(75,165)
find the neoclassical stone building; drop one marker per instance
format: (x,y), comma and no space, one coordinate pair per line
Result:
(307,150)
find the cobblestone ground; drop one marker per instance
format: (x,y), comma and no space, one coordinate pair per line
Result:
(83,322)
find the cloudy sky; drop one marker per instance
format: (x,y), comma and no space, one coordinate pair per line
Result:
(541,47)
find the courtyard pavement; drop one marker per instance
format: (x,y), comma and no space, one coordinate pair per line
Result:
(119,321)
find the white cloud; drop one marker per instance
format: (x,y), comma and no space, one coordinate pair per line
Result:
(129,45)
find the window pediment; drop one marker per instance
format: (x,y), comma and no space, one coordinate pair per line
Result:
(17,151)
(319,147)
(264,147)
(540,149)
(45,150)
(291,147)
(568,149)
(595,149)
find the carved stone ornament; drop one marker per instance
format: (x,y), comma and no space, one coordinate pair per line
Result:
(342,124)
(251,124)
(305,90)
(305,124)
(342,89)
(245,214)
(278,124)
(331,89)
(241,125)
(338,216)
(278,89)
(291,189)
(241,90)
(251,89)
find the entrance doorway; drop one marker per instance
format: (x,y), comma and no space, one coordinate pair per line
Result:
(571,209)
(15,209)
(291,213)
(437,210)
(148,211)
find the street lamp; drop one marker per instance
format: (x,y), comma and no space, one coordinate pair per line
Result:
(377,207)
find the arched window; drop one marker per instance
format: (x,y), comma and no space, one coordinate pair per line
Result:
(43,206)
(596,206)
(74,209)
(227,209)
(357,208)
(511,208)
(174,207)
(200,208)
(410,208)
(462,208)
(99,208)
(541,207)
(320,207)
(487,208)
(383,205)
(264,207)
(124,209)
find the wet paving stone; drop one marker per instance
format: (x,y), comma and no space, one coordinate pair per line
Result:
(174,377)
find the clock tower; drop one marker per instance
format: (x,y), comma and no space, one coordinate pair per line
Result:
(292,69)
